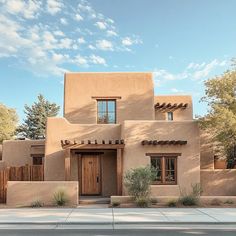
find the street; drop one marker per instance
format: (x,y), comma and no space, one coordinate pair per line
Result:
(123,232)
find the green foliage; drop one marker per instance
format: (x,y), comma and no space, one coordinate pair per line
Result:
(220,95)
(191,199)
(142,201)
(34,125)
(60,197)
(154,201)
(229,201)
(8,121)
(36,204)
(172,203)
(115,204)
(138,181)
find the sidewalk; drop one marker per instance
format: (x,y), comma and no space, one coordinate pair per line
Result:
(111,216)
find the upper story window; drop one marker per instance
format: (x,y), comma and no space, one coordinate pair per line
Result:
(165,169)
(106,111)
(170,115)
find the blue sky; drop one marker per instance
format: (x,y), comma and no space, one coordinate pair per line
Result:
(183,42)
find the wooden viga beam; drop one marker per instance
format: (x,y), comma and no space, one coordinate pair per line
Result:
(163,142)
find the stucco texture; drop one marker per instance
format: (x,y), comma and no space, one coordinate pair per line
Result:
(24,193)
(188,164)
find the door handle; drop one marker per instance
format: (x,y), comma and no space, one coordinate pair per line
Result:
(97,179)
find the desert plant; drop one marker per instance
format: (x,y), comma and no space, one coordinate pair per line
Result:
(36,203)
(216,202)
(172,203)
(229,201)
(138,181)
(191,199)
(188,200)
(154,201)
(60,197)
(115,204)
(142,201)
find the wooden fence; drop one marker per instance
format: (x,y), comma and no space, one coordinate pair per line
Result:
(21,173)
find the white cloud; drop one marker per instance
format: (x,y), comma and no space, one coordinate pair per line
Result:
(64,21)
(28,10)
(128,41)
(97,60)
(91,47)
(104,45)
(65,43)
(58,33)
(101,25)
(81,40)
(78,17)
(111,33)
(82,61)
(54,6)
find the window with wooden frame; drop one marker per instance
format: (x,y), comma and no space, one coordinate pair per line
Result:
(37,160)
(166,169)
(106,111)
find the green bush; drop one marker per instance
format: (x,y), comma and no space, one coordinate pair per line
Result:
(138,181)
(229,201)
(36,203)
(142,202)
(191,199)
(188,200)
(153,201)
(60,197)
(115,204)
(172,203)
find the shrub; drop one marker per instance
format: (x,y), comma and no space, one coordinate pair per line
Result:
(192,198)
(229,201)
(188,200)
(153,201)
(216,202)
(142,202)
(172,203)
(138,181)
(115,204)
(60,197)
(36,203)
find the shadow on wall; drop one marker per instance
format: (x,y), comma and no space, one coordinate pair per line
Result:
(132,107)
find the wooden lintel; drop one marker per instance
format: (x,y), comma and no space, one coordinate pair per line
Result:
(163,154)
(95,146)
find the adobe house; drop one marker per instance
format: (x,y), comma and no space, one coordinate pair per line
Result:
(114,122)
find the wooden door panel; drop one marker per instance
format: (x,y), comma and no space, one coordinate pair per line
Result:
(91,176)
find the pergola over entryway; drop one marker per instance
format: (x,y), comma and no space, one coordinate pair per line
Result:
(117,145)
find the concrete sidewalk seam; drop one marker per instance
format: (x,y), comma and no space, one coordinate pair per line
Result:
(208,215)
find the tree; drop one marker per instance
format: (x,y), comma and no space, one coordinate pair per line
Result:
(220,95)
(8,122)
(34,125)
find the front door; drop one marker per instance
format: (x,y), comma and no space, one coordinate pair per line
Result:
(91,175)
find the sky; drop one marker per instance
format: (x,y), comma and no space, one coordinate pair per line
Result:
(182,42)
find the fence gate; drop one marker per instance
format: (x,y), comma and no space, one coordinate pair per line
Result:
(21,173)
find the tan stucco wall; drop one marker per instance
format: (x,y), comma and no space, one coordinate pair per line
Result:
(24,193)
(218,182)
(179,114)
(59,129)
(18,152)
(135,89)
(188,164)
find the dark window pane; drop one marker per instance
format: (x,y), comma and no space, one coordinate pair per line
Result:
(37,160)
(170,115)
(106,112)
(111,118)
(101,106)
(156,164)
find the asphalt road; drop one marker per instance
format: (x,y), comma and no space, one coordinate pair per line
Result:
(120,232)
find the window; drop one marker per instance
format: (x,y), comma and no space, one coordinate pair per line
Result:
(38,160)
(170,115)
(106,111)
(166,169)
